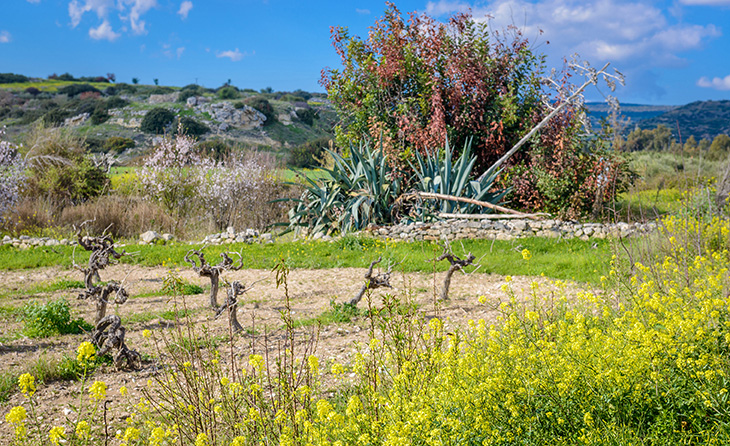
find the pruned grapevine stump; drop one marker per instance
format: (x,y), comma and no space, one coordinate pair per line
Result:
(108,336)
(213,272)
(380,280)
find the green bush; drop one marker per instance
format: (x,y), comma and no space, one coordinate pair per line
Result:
(157,120)
(51,318)
(77,89)
(115,102)
(217,149)
(264,106)
(307,116)
(191,127)
(118,144)
(99,115)
(161,90)
(59,170)
(309,154)
(11,78)
(56,117)
(229,93)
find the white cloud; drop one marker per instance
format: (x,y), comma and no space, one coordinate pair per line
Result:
(706,2)
(5,37)
(446,7)
(362,11)
(185,8)
(718,83)
(104,32)
(138,8)
(77,9)
(180,51)
(129,10)
(614,30)
(234,55)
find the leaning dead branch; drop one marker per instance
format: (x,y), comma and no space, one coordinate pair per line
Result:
(213,272)
(495,207)
(592,79)
(231,304)
(457,264)
(380,280)
(108,336)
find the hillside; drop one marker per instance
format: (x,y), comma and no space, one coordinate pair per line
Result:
(701,119)
(630,113)
(226,117)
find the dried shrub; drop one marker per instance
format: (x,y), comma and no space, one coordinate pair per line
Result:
(30,216)
(125,217)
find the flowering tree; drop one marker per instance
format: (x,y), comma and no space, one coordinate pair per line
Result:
(12,174)
(230,185)
(174,173)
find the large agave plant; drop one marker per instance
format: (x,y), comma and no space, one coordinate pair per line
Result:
(360,190)
(437,173)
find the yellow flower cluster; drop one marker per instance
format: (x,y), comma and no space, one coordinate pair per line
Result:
(26,382)
(97,391)
(86,352)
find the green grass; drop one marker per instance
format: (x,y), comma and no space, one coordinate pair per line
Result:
(189,289)
(45,370)
(583,261)
(168,315)
(337,314)
(44,287)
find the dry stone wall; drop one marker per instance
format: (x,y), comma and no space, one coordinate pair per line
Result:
(442,230)
(509,229)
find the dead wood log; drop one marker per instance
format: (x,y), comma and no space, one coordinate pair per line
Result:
(231,304)
(108,336)
(212,272)
(457,264)
(372,282)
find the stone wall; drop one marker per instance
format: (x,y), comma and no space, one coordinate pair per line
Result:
(509,229)
(448,229)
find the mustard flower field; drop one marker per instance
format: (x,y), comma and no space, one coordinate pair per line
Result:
(640,359)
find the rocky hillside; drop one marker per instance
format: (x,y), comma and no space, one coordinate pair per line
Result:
(111,116)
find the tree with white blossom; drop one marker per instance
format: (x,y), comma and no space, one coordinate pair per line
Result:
(12,174)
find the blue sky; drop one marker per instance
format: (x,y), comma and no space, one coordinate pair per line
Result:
(672,52)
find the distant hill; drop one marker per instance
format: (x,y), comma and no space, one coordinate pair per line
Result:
(701,119)
(630,113)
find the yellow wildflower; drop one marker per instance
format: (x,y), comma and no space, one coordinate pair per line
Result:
(86,352)
(56,434)
(82,429)
(123,390)
(202,440)
(526,254)
(16,415)
(26,382)
(97,391)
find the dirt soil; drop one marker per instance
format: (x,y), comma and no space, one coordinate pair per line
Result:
(311,293)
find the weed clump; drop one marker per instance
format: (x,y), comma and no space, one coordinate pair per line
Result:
(50,319)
